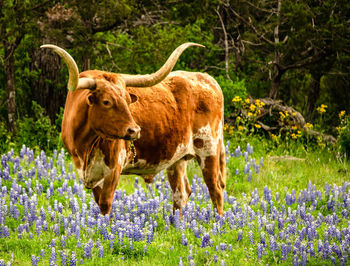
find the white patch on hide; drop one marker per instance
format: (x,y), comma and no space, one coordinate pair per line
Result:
(210,144)
(122,157)
(95,171)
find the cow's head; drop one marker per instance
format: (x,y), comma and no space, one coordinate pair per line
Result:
(108,99)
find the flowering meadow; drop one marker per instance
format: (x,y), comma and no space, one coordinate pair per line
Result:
(47,217)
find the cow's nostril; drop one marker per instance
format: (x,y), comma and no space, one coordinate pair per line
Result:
(131,131)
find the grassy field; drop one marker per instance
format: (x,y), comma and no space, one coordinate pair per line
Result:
(292,206)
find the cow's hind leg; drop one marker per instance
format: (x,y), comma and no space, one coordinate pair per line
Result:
(214,177)
(180,186)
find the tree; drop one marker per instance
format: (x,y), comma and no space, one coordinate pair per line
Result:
(16,19)
(282,35)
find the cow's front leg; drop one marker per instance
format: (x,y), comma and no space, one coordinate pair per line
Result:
(106,194)
(180,186)
(97,191)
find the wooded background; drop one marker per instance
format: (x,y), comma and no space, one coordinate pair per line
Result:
(296,51)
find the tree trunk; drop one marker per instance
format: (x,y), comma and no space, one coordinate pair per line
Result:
(9,65)
(277,73)
(275,83)
(46,93)
(314,94)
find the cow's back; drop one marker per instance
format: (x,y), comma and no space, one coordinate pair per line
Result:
(171,114)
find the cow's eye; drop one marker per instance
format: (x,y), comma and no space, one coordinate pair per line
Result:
(106,102)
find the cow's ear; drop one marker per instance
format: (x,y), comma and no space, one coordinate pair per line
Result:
(91,99)
(133,97)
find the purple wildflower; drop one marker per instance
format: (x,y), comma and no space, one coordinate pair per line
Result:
(53,256)
(100,251)
(240,235)
(251,237)
(35,260)
(205,240)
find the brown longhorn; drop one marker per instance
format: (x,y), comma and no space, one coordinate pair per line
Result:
(111,126)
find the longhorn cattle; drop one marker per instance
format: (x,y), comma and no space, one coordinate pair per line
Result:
(117,124)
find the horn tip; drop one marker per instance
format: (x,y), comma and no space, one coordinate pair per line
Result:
(195,44)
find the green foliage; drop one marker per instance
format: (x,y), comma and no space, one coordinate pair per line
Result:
(230,89)
(38,131)
(344,134)
(5,137)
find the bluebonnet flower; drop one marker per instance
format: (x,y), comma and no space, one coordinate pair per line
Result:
(180,262)
(42,253)
(53,256)
(251,237)
(184,240)
(100,251)
(215,259)
(63,258)
(304,258)
(177,220)
(240,235)
(336,250)
(223,246)
(260,249)
(262,239)
(111,241)
(35,260)
(103,231)
(333,260)
(205,240)
(131,246)
(88,248)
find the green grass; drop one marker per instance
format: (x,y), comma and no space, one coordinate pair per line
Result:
(279,173)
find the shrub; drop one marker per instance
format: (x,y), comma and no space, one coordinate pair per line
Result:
(344,134)
(5,138)
(230,89)
(37,131)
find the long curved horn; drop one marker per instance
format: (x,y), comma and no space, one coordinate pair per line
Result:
(73,82)
(152,79)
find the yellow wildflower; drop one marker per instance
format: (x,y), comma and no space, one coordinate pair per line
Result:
(240,128)
(247,100)
(294,136)
(274,137)
(322,109)
(238,118)
(308,126)
(257,126)
(236,99)
(250,114)
(340,130)
(294,127)
(252,107)
(341,114)
(294,114)
(282,115)
(259,103)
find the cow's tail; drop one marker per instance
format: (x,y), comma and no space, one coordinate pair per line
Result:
(222,157)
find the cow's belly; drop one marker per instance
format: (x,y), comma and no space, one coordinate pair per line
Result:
(142,167)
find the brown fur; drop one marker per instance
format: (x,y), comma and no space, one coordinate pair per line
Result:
(167,113)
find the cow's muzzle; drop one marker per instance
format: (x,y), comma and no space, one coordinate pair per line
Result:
(132,133)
